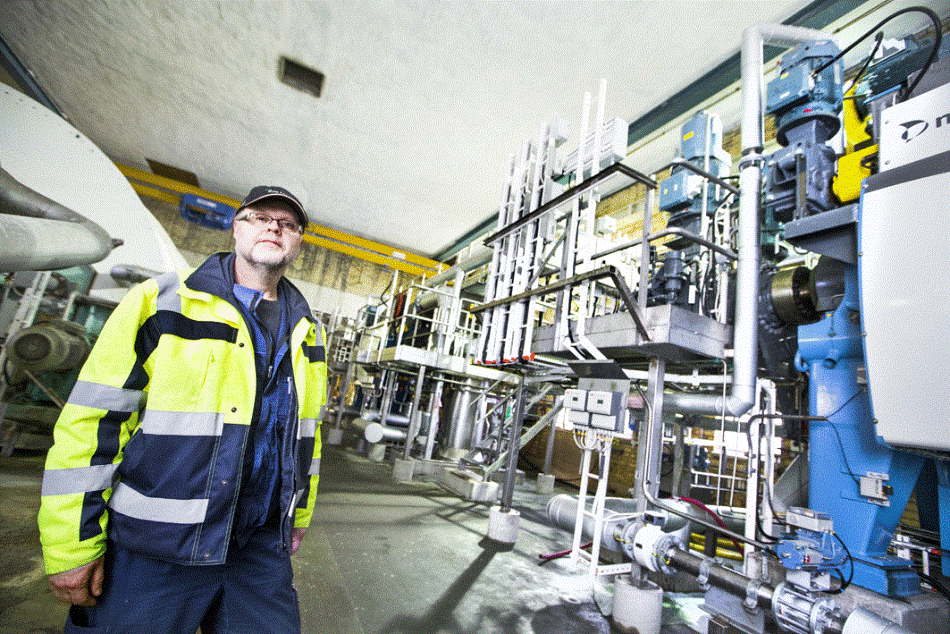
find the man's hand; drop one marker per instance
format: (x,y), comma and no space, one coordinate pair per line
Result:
(295,538)
(79,586)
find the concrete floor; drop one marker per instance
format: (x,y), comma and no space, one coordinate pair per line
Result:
(380,557)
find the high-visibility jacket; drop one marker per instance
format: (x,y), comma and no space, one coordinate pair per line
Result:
(150,445)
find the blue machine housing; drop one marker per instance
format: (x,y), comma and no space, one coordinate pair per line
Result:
(846,448)
(813,551)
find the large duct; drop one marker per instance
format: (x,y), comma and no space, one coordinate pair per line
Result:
(745,344)
(39,234)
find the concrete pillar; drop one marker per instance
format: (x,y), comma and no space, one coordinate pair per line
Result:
(545,484)
(403,470)
(377,453)
(503,525)
(638,607)
(335,437)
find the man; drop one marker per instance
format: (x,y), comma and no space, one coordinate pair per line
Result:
(185,462)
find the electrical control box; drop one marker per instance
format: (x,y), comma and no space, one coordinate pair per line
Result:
(600,404)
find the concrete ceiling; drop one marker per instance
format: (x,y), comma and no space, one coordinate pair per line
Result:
(422,104)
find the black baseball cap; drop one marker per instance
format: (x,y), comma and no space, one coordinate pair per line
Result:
(263,192)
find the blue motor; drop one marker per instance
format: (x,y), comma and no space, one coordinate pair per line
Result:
(682,193)
(806,106)
(813,547)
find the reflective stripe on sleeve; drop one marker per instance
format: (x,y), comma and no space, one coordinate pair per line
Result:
(78,480)
(308,427)
(182,423)
(107,397)
(314,467)
(128,501)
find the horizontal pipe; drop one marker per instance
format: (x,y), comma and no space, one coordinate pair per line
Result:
(474,261)
(374,433)
(719,576)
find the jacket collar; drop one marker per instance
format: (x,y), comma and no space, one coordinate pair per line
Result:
(216,276)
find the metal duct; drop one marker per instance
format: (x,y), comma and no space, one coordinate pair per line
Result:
(374,433)
(430,299)
(461,419)
(745,344)
(618,512)
(39,234)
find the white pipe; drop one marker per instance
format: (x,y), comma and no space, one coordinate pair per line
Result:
(863,621)
(745,338)
(478,258)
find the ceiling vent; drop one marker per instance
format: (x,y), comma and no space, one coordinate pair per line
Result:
(172,172)
(298,76)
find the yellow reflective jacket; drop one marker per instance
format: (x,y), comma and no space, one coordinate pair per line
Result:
(149,447)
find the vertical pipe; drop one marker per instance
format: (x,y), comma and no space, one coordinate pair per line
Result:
(414,413)
(385,405)
(581,506)
(647,225)
(650,446)
(679,451)
(513,436)
(745,339)
(434,405)
(549,450)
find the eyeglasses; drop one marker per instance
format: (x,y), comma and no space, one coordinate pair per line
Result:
(262,220)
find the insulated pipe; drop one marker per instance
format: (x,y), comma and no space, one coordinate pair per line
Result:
(34,230)
(745,338)
(474,261)
(374,433)
(618,512)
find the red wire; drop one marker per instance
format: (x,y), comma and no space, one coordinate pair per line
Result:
(563,553)
(719,521)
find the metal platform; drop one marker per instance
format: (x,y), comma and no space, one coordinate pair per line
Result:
(675,334)
(414,357)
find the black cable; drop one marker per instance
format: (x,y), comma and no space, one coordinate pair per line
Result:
(939,587)
(933,52)
(843,405)
(867,62)
(844,584)
(844,454)
(382,295)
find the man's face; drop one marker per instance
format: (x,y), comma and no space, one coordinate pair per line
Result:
(263,242)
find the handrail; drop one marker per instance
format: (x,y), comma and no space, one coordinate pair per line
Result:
(604,271)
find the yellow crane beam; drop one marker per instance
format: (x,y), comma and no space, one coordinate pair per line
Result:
(169,190)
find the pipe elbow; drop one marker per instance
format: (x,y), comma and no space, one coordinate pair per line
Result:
(740,401)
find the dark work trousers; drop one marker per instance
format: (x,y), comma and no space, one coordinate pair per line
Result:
(251,593)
